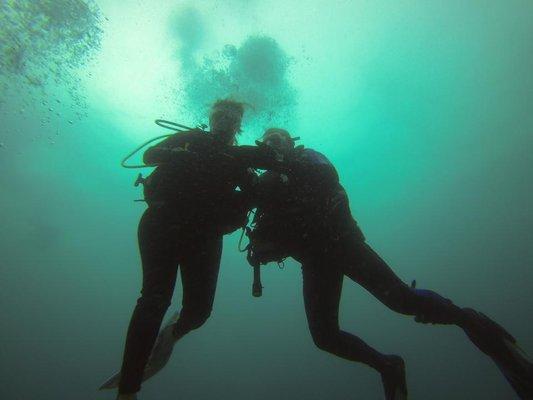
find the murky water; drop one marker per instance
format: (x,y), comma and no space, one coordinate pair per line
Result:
(423,106)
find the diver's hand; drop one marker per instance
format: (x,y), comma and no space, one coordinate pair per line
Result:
(265,147)
(156,155)
(178,151)
(259,157)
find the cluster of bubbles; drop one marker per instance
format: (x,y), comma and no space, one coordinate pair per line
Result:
(44,45)
(256,73)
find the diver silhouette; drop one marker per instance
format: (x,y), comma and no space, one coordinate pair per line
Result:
(304,212)
(192,202)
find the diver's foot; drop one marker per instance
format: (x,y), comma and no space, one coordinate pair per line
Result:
(493,340)
(393,378)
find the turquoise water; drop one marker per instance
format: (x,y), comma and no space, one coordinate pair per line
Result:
(423,106)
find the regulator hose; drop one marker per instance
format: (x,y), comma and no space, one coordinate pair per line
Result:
(163,123)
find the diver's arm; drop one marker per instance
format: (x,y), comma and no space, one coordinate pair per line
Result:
(165,151)
(156,155)
(165,156)
(258,157)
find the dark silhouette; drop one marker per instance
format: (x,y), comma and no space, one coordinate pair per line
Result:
(304,212)
(192,202)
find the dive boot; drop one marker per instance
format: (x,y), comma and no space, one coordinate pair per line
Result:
(501,347)
(161,353)
(393,378)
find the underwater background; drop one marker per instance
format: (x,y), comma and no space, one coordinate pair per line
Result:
(424,107)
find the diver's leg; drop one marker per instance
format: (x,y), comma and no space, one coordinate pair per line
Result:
(322,286)
(369,270)
(322,291)
(199,273)
(159,263)
(364,266)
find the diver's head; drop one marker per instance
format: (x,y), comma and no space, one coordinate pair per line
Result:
(278,139)
(225,119)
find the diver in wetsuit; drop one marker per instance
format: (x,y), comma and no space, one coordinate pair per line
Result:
(192,203)
(304,213)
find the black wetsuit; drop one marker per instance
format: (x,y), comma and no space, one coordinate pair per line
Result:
(192,203)
(306,215)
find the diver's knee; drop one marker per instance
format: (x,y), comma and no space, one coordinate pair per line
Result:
(404,302)
(154,303)
(200,320)
(323,343)
(435,309)
(324,339)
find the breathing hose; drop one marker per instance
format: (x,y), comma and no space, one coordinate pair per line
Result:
(123,163)
(163,123)
(257,287)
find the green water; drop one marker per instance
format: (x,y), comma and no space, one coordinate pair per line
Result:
(424,107)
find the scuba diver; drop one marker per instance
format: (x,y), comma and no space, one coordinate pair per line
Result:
(192,202)
(304,213)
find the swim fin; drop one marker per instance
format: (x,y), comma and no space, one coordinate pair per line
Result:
(493,340)
(520,376)
(111,382)
(161,353)
(393,378)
